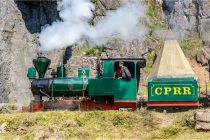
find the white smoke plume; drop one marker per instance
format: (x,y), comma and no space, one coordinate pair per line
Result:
(74,25)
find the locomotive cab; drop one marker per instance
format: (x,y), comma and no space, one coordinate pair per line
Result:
(134,65)
(123,92)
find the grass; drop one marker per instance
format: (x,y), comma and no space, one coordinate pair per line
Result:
(142,124)
(65,124)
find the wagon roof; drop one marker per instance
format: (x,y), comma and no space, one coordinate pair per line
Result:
(171,61)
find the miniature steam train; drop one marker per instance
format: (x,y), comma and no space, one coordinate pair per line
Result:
(103,93)
(171,83)
(106,92)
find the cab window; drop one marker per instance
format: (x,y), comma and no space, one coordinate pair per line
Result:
(129,65)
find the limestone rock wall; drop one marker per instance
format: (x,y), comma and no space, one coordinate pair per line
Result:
(17,48)
(37,13)
(193,14)
(20,21)
(202,119)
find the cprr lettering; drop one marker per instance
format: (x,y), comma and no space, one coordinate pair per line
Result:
(173,91)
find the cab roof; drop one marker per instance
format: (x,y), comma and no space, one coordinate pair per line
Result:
(123,59)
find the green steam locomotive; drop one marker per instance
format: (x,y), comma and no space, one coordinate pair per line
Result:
(104,92)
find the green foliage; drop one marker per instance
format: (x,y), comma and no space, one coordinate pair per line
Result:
(151,55)
(182,125)
(85,50)
(93,1)
(118,121)
(150,60)
(150,11)
(95,51)
(157,25)
(191,46)
(77,124)
(156,22)
(92,52)
(167,132)
(154,10)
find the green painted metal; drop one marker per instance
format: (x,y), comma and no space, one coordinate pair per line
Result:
(68,86)
(120,89)
(87,72)
(31,73)
(41,64)
(108,69)
(173,89)
(61,86)
(61,71)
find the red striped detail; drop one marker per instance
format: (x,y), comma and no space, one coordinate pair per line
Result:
(173,103)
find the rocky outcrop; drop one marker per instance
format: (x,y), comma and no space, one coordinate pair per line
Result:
(37,13)
(17,49)
(134,49)
(202,118)
(203,56)
(205,31)
(103,5)
(19,23)
(188,14)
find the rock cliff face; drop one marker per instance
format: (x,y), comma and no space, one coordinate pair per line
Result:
(16,51)
(103,5)
(37,13)
(20,21)
(189,14)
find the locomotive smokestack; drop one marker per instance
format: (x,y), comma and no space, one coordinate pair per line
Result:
(41,64)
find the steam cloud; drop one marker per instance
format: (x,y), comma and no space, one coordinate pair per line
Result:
(74,25)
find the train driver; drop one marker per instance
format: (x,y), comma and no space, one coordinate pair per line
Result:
(123,72)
